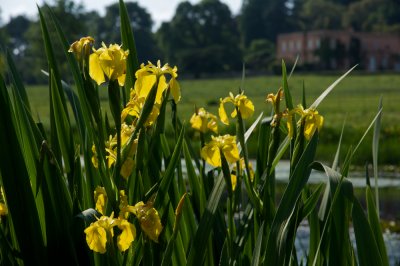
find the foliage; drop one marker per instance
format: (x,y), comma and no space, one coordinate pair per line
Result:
(201,38)
(259,55)
(263,20)
(118,195)
(199,31)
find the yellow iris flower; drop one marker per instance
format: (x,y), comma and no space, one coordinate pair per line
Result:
(111,149)
(241,102)
(233,181)
(110,62)
(204,121)
(127,235)
(99,232)
(134,107)
(149,74)
(100,197)
(149,219)
(96,233)
(95,161)
(3,209)
(312,121)
(226,144)
(82,47)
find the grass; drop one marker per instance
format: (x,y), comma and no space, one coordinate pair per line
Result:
(356,98)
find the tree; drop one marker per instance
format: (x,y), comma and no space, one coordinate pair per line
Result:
(262,19)
(373,15)
(16,29)
(202,38)
(141,23)
(72,17)
(321,14)
(259,55)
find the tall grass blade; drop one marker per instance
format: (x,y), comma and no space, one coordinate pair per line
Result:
(17,81)
(276,245)
(375,225)
(286,91)
(196,185)
(199,244)
(169,172)
(329,89)
(257,250)
(128,43)
(375,149)
(294,67)
(17,188)
(338,189)
(336,159)
(367,130)
(367,249)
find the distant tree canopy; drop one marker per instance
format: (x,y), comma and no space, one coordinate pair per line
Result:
(200,38)
(262,19)
(108,29)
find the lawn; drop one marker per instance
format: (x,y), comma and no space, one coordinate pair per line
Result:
(356,98)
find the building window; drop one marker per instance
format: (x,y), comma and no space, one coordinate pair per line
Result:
(317,43)
(310,44)
(385,62)
(283,46)
(332,43)
(298,45)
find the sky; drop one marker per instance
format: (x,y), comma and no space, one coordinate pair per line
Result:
(160,10)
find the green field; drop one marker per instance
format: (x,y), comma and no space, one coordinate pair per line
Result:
(356,98)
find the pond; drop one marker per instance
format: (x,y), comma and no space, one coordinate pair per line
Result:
(389,201)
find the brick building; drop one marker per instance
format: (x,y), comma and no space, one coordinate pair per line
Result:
(329,49)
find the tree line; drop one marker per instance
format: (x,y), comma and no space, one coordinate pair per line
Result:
(201,38)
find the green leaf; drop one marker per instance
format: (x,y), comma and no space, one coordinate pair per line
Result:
(257,249)
(17,81)
(17,187)
(286,92)
(276,245)
(128,43)
(197,189)
(375,148)
(200,240)
(367,249)
(336,160)
(311,202)
(62,126)
(281,151)
(169,172)
(336,218)
(329,89)
(374,223)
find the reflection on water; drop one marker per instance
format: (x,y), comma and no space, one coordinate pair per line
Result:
(356,178)
(392,242)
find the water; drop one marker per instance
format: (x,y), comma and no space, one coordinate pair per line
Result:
(392,241)
(385,180)
(356,178)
